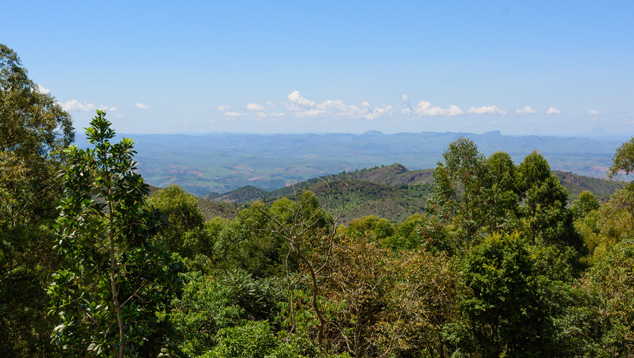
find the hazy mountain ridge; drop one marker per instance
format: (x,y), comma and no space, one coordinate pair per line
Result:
(219,163)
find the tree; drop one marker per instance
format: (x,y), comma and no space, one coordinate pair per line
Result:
(423,302)
(458,192)
(356,285)
(210,304)
(184,232)
(545,200)
(586,203)
(610,279)
(609,225)
(309,232)
(33,131)
(32,121)
(508,312)
(424,232)
(623,159)
(112,293)
(502,194)
(245,243)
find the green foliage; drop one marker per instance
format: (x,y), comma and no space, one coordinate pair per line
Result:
(33,124)
(25,263)
(244,243)
(623,159)
(578,325)
(548,220)
(586,203)
(253,340)
(370,227)
(458,193)
(501,209)
(209,305)
(356,284)
(425,232)
(612,223)
(508,311)
(115,285)
(424,300)
(33,130)
(180,208)
(611,280)
(185,232)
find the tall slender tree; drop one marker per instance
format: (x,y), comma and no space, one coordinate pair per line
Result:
(112,294)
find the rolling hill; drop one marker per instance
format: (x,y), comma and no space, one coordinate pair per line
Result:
(391,192)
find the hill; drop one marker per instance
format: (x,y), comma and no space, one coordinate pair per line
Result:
(392,192)
(576,184)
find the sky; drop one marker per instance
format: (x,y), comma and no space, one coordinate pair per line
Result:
(521,67)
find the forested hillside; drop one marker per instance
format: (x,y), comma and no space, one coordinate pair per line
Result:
(392,192)
(497,262)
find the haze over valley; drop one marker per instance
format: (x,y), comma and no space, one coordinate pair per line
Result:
(202,164)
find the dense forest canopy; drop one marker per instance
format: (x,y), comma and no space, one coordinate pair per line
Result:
(497,263)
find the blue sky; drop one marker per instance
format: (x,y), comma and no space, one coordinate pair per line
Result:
(538,67)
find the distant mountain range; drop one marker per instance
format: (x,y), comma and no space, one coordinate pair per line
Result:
(219,163)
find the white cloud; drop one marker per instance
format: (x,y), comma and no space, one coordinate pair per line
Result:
(424,108)
(41,90)
(107,108)
(405,98)
(334,104)
(296,99)
(379,112)
(233,114)
(141,106)
(75,106)
(406,111)
(593,112)
(223,108)
(303,107)
(270,104)
(526,110)
(486,110)
(310,113)
(553,110)
(254,107)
